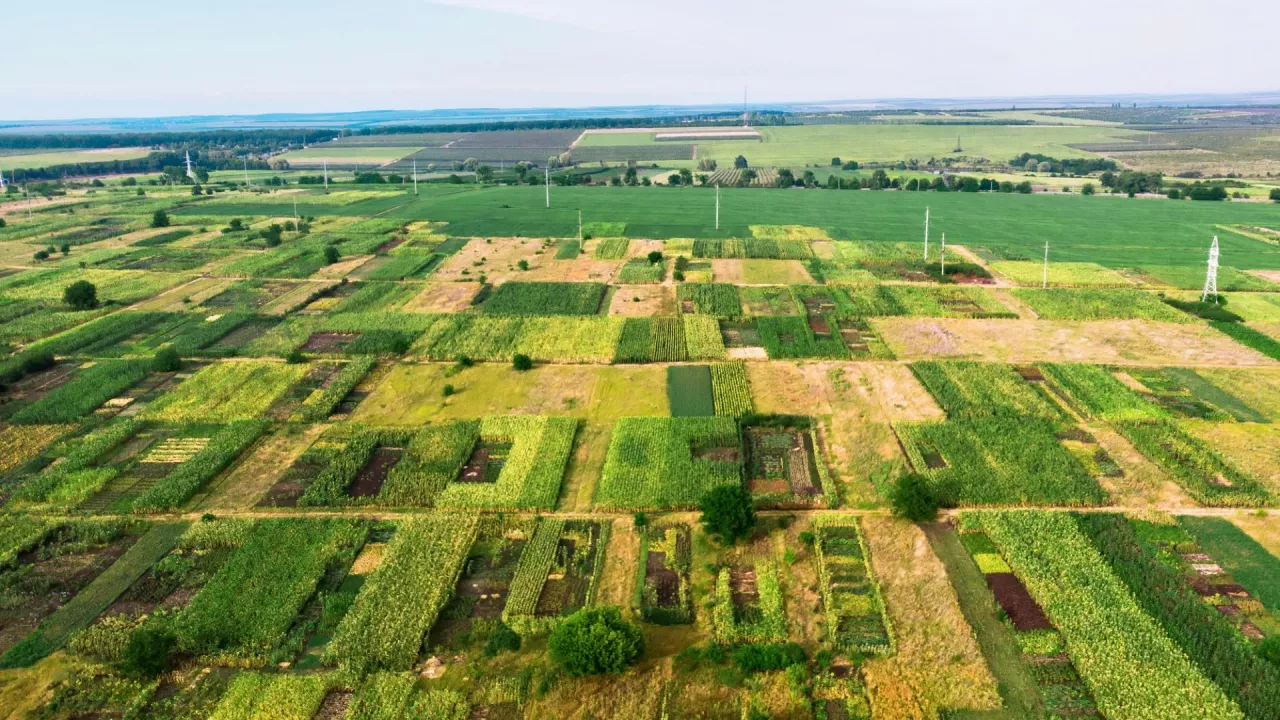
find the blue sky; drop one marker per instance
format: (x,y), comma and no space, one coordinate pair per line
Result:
(77,58)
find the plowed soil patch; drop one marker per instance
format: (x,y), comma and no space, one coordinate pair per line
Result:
(1017,602)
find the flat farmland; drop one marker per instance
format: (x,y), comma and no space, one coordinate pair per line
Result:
(69,157)
(1111,231)
(802,145)
(348,155)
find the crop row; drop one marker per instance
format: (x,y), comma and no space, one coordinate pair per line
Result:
(979,390)
(544,298)
(534,467)
(752,248)
(856,617)
(1194,465)
(763,620)
(611,248)
(247,607)
(668,462)
(321,402)
(730,389)
(1131,666)
(399,602)
(79,397)
(1095,392)
(715,299)
(531,571)
(669,339)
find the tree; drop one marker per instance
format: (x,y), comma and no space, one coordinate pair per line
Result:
(645,181)
(851,165)
(159,219)
(740,162)
(707,164)
(835,162)
(655,257)
(484,173)
(913,184)
(1269,650)
(1088,189)
(1031,166)
(202,175)
(913,499)
(331,254)
(1044,167)
(81,295)
(595,640)
(2,223)
(166,360)
(629,177)
(149,650)
(470,164)
(521,362)
(673,179)
(727,512)
(1275,196)
(1024,187)
(686,176)
(523,264)
(197,190)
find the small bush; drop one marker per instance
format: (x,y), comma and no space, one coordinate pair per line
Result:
(1269,649)
(331,254)
(149,651)
(641,520)
(295,357)
(595,640)
(727,512)
(522,362)
(166,360)
(502,639)
(447,390)
(159,218)
(38,362)
(763,657)
(913,499)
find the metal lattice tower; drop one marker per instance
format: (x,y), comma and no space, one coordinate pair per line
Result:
(1211,277)
(3,185)
(190,173)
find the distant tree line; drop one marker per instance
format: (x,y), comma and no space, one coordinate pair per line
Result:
(258,140)
(1132,182)
(170,163)
(1036,162)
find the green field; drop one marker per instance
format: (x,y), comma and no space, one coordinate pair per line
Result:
(1110,231)
(797,146)
(374,155)
(70,157)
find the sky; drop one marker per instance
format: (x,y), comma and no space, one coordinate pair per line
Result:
(147,58)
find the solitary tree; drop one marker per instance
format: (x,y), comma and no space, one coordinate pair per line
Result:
(159,219)
(331,254)
(655,257)
(1275,195)
(1088,189)
(727,512)
(521,362)
(81,295)
(835,162)
(686,176)
(913,499)
(166,360)
(740,162)
(595,640)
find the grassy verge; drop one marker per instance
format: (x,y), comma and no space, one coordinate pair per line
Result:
(1246,560)
(84,607)
(1249,337)
(1017,688)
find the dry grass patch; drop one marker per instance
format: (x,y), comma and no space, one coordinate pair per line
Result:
(1135,342)
(442,297)
(498,258)
(1263,527)
(1251,447)
(1259,388)
(342,268)
(775,272)
(642,248)
(197,291)
(728,271)
(621,559)
(250,479)
(295,297)
(583,268)
(938,665)
(1144,484)
(643,301)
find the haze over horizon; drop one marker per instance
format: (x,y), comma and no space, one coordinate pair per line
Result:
(151,59)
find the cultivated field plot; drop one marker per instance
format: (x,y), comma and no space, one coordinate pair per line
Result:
(397,454)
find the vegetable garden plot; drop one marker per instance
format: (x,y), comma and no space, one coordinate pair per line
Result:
(1063,304)
(77,397)
(689,391)
(771,300)
(228,391)
(1200,471)
(780,463)
(639,271)
(719,300)
(19,444)
(1185,394)
(543,339)
(732,394)
(400,601)
(668,462)
(483,588)
(664,593)
(663,339)
(50,564)
(1040,647)
(1130,665)
(557,574)
(856,618)
(792,337)
(748,604)
(531,471)
(977,390)
(1211,617)
(609,248)
(752,248)
(998,461)
(544,298)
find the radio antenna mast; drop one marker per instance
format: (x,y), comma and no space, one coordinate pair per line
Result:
(547,180)
(926,234)
(1211,277)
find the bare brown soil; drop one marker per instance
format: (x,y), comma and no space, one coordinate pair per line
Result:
(1018,604)
(329,341)
(368,482)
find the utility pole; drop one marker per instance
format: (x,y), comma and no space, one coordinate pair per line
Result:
(547,184)
(942,255)
(1044,275)
(326,174)
(415,176)
(246,170)
(717,206)
(295,207)
(926,234)
(579,224)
